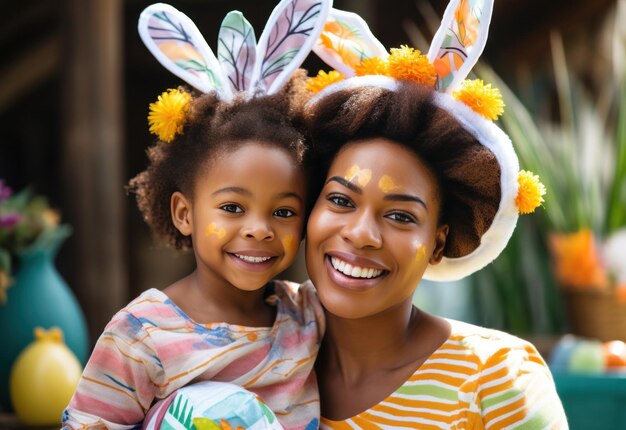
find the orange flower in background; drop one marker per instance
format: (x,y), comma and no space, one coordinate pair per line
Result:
(576,260)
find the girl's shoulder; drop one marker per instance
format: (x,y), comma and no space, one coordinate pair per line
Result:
(150,308)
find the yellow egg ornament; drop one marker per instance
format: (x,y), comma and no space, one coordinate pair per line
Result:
(43,379)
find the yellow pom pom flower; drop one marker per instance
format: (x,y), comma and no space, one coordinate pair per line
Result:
(167,115)
(409,64)
(531,192)
(322,80)
(372,66)
(481,98)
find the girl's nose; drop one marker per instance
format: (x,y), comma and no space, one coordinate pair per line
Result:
(258,229)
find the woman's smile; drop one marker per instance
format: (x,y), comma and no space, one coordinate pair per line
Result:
(353,272)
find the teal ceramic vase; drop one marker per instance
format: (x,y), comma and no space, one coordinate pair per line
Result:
(39,297)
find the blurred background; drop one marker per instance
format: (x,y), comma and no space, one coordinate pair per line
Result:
(76,82)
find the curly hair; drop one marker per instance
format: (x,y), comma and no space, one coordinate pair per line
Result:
(213,127)
(467,172)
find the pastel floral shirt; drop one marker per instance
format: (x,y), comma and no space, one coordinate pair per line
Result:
(151,348)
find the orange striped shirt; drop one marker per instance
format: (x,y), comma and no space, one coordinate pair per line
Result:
(478,379)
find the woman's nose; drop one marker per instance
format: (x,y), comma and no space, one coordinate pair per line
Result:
(362,231)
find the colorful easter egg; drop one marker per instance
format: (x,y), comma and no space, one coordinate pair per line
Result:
(43,379)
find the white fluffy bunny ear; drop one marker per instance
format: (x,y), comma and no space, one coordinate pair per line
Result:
(178,45)
(346,41)
(460,40)
(287,39)
(236,50)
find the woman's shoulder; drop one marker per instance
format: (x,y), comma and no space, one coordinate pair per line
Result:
(487,344)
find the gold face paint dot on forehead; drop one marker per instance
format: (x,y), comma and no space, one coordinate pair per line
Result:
(212,229)
(386,184)
(288,242)
(362,176)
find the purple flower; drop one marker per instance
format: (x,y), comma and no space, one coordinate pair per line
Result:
(5,191)
(8,221)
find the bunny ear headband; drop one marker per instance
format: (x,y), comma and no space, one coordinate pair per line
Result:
(242,65)
(360,60)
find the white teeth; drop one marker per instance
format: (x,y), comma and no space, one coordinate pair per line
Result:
(354,271)
(250,259)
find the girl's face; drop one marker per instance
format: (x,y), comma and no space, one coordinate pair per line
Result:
(246,216)
(374,229)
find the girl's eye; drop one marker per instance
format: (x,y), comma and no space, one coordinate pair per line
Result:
(339,200)
(284,213)
(401,217)
(231,208)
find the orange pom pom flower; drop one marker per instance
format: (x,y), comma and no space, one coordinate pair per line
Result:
(530,193)
(322,80)
(409,64)
(167,115)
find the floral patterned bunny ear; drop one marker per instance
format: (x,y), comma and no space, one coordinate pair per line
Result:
(346,41)
(178,45)
(236,50)
(459,41)
(286,41)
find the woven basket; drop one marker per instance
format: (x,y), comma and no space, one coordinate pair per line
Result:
(596,314)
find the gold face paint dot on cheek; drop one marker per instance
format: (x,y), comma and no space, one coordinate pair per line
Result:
(420,252)
(386,184)
(362,176)
(288,242)
(212,229)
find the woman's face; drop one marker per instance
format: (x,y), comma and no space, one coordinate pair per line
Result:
(374,229)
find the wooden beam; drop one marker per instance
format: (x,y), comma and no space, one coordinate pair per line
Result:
(32,68)
(92,156)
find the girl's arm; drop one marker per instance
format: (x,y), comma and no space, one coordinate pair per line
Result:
(119,382)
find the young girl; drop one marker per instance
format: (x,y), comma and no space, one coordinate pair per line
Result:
(417,183)
(226,179)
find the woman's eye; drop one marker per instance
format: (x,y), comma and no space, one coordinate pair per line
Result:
(284,213)
(401,217)
(342,201)
(231,208)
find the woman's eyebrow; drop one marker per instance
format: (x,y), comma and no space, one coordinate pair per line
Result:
(405,198)
(346,184)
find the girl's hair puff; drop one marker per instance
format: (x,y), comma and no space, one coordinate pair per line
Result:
(214,127)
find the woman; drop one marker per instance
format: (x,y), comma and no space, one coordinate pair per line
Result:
(415,184)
